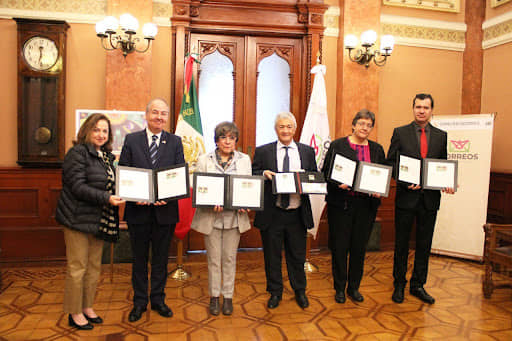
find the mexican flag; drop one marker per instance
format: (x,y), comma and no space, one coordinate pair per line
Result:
(315,133)
(191,132)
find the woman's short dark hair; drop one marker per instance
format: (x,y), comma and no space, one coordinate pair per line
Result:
(84,134)
(225,128)
(421,97)
(364,114)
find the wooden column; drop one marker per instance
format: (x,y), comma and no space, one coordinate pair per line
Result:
(473,58)
(128,80)
(358,86)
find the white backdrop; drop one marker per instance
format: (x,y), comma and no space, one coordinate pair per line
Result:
(461,216)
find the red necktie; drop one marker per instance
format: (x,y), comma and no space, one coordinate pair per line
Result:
(423,143)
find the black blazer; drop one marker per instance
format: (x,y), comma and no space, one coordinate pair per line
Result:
(135,153)
(405,142)
(335,195)
(265,159)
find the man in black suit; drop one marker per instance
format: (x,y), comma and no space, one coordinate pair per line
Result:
(419,140)
(151,148)
(286,217)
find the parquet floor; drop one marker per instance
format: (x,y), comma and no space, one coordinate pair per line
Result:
(31,306)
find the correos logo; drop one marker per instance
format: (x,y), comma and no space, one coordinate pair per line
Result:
(460,146)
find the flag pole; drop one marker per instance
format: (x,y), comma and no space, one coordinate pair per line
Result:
(308,266)
(179,274)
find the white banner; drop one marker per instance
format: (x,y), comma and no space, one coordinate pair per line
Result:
(461,216)
(315,133)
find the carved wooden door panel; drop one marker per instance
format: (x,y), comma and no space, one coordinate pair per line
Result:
(237,77)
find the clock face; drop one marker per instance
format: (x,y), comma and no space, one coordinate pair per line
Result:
(40,53)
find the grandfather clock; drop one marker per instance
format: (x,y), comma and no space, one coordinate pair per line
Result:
(41,86)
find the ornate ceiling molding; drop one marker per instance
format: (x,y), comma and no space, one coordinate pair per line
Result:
(435,5)
(497,31)
(496,3)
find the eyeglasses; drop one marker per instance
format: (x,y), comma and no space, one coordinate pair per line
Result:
(364,124)
(229,138)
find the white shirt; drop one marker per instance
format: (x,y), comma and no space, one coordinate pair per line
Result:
(150,137)
(295,166)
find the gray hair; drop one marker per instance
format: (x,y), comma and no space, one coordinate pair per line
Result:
(150,103)
(285,115)
(225,128)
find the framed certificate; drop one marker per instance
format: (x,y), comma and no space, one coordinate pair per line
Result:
(284,183)
(148,185)
(134,184)
(439,174)
(245,191)
(311,183)
(209,189)
(342,170)
(409,170)
(373,178)
(172,182)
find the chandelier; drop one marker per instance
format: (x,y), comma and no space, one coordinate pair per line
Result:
(366,54)
(124,40)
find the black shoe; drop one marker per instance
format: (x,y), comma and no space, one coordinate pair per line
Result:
(227,306)
(273,301)
(96,319)
(355,295)
(73,324)
(398,294)
(214,306)
(162,309)
(422,295)
(136,313)
(302,300)
(340,297)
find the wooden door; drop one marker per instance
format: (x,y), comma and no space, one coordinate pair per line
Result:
(246,54)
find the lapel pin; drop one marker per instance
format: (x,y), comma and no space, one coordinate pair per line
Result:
(164,141)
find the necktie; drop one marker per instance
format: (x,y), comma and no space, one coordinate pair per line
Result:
(153,149)
(423,143)
(285,198)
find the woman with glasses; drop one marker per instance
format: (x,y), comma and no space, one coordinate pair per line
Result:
(222,227)
(351,214)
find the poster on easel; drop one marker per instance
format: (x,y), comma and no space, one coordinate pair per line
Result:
(460,218)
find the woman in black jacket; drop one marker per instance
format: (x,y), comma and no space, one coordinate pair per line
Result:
(87,209)
(351,214)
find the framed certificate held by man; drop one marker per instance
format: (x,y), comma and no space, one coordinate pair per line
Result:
(409,170)
(373,178)
(148,185)
(439,174)
(342,170)
(245,192)
(209,189)
(311,183)
(284,183)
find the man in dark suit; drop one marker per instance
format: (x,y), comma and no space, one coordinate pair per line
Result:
(286,217)
(151,148)
(419,140)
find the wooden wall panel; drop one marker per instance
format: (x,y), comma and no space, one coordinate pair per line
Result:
(499,208)
(18,203)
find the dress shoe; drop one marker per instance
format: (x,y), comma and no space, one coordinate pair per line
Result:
(73,324)
(227,306)
(422,295)
(340,297)
(162,309)
(214,306)
(136,313)
(355,295)
(302,300)
(398,294)
(273,301)
(96,319)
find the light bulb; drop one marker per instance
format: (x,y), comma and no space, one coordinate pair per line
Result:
(350,41)
(387,42)
(128,22)
(368,38)
(149,30)
(100,28)
(111,24)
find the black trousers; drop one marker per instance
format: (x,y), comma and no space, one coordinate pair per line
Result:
(289,230)
(141,236)
(425,222)
(349,231)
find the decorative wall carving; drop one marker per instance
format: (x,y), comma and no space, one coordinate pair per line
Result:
(496,3)
(436,5)
(228,50)
(180,10)
(265,51)
(194,11)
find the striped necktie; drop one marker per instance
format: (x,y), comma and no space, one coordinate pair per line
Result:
(153,149)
